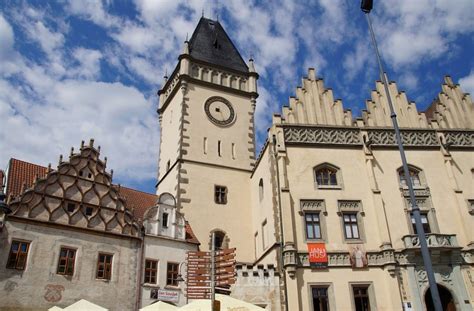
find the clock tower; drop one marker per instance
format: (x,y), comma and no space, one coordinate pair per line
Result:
(207,148)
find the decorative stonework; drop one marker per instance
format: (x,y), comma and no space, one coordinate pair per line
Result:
(219,77)
(432,239)
(349,206)
(332,136)
(459,138)
(343,259)
(313,205)
(79,194)
(171,86)
(424,192)
(418,138)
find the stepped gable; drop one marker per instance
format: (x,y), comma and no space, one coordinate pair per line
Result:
(452,108)
(79,193)
(210,43)
(314,104)
(377,113)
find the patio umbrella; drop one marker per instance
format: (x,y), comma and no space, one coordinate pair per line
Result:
(159,306)
(227,303)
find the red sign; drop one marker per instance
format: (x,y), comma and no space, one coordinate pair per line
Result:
(318,256)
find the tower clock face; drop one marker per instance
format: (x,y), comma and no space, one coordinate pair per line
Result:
(219,111)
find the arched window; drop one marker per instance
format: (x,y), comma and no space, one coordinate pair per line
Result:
(414,176)
(220,240)
(260,189)
(326,175)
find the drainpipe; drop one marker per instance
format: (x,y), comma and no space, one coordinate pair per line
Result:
(140,268)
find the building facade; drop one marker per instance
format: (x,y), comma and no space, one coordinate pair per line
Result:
(325,185)
(74,235)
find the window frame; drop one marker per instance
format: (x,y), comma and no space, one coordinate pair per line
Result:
(313,223)
(174,274)
(148,272)
(418,172)
(218,194)
(351,223)
(424,215)
(107,273)
(163,223)
(330,292)
(370,293)
(19,253)
(336,173)
(68,260)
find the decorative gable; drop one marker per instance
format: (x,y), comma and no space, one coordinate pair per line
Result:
(79,193)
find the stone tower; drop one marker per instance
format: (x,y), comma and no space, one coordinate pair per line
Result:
(207,153)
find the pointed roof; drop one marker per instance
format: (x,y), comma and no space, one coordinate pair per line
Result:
(210,43)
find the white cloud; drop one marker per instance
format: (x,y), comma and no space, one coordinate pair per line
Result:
(88,63)
(6,38)
(467,83)
(94,11)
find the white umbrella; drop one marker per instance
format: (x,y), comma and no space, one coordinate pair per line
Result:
(227,303)
(83,305)
(55,309)
(159,306)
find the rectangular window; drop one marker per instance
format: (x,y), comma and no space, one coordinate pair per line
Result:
(164,221)
(172,274)
(67,258)
(220,194)
(204,147)
(18,255)
(351,229)
(264,234)
(89,211)
(219,148)
(71,207)
(104,266)
(151,271)
(313,226)
(361,298)
(424,222)
(233,151)
(320,298)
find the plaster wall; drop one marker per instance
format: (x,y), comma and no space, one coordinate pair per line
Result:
(39,287)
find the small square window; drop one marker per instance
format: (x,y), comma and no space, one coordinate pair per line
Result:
(66,262)
(104,266)
(424,222)
(220,194)
(89,211)
(71,207)
(18,255)
(172,274)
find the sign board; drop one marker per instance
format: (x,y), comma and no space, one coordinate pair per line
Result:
(318,257)
(168,295)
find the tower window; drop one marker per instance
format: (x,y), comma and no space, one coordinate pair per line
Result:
(219,148)
(168,164)
(233,151)
(260,189)
(204,147)
(164,221)
(219,239)
(220,194)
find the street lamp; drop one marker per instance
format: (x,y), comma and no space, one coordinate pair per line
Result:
(366,7)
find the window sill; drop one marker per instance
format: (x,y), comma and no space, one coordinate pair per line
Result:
(315,240)
(151,285)
(327,187)
(354,241)
(172,287)
(103,280)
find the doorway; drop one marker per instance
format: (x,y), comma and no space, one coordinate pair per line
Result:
(447,300)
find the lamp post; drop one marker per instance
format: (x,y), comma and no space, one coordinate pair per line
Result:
(366,6)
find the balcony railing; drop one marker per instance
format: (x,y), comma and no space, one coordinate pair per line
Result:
(432,239)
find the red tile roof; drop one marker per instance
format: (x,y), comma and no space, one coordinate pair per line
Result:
(21,172)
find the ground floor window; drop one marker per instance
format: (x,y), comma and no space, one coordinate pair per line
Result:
(172,274)
(361,298)
(320,298)
(151,270)
(66,262)
(18,255)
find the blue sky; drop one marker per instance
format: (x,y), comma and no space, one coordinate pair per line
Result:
(73,70)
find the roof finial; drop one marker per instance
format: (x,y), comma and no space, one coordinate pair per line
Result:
(72,152)
(49,167)
(105,161)
(82,144)
(60,159)
(186,38)
(202,14)
(98,149)
(111,174)
(91,142)
(251,65)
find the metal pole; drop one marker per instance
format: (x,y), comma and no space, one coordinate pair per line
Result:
(282,239)
(213,268)
(425,253)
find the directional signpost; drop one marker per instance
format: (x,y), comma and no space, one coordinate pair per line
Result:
(210,272)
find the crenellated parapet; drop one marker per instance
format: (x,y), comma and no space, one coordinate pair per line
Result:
(452,108)
(314,104)
(78,193)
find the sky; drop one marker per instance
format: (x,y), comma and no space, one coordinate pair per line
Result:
(75,70)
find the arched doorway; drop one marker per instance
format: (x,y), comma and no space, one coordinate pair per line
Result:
(447,300)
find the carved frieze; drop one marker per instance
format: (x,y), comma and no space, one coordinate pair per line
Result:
(386,137)
(424,192)
(320,135)
(432,239)
(313,205)
(459,138)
